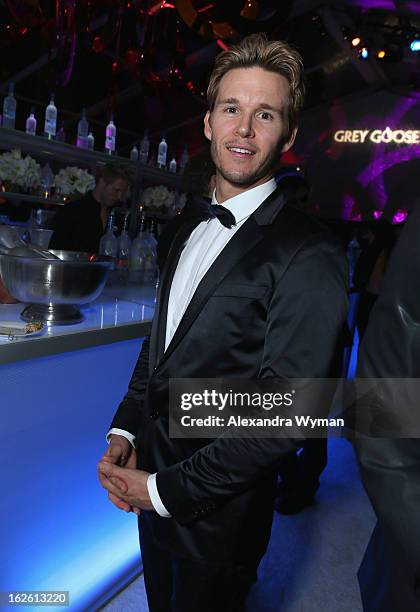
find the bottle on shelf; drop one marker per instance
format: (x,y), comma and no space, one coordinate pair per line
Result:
(50,126)
(61,134)
(9,109)
(184,160)
(82,132)
(124,249)
(91,142)
(110,136)
(134,153)
(172,165)
(162,152)
(144,148)
(108,244)
(30,127)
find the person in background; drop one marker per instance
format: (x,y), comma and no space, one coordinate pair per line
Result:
(80,224)
(370,269)
(198,181)
(300,471)
(389,576)
(252,289)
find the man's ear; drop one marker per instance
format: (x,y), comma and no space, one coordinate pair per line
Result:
(289,144)
(207,126)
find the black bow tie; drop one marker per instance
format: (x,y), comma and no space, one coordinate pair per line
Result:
(211,211)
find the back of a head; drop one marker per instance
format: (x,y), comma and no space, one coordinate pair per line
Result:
(197,174)
(112,172)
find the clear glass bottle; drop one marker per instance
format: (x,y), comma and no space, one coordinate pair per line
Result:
(184,160)
(108,244)
(150,272)
(50,126)
(124,250)
(172,165)
(30,127)
(91,142)
(110,136)
(134,153)
(82,132)
(162,153)
(9,109)
(144,148)
(138,255)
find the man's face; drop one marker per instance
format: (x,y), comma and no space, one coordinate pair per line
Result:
(246,128)
(113,192)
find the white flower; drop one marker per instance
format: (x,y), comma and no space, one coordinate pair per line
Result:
(158,197)
(74,180)
(21,171)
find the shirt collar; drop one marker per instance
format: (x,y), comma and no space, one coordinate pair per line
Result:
(247,202)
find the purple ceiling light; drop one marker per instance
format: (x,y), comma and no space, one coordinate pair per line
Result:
(388,5)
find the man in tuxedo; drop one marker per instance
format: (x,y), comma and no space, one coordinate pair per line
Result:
(253,289)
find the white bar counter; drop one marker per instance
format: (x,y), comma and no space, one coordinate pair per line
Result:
(122,312)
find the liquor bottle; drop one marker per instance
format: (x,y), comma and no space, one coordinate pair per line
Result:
(172,165)
(82,132)
(162,152)
(110,137)
(30,127)
(91,142)
(134,153)
(184,160)
(150,271)
(50,126)
(108,244)
(61,134)
(144,148)
(9,109)
(124,249)
(139,252)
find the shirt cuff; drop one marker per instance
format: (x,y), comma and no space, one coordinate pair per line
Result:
(155,497)
(122,432)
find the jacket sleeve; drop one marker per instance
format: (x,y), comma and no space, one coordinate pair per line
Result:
(128,412)
(304,323)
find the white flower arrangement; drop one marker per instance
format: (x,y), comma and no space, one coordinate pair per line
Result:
(73,180)
(158,198)
(161,199)
(19,171)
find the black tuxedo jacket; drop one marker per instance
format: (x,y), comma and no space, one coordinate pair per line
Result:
(272,304)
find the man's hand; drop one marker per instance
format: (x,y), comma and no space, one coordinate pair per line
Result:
(119,452)
(128,485)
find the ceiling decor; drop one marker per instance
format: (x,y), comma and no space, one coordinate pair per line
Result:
(221,19)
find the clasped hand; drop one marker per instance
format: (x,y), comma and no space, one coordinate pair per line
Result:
(117,473)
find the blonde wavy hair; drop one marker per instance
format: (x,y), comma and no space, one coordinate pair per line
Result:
(272,55)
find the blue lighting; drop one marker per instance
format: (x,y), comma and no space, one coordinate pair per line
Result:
(364,53)
(58,530)
(415,45)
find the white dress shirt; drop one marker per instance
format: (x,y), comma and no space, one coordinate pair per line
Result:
(202,248)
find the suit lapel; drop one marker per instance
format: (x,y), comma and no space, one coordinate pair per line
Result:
(158,332)
(245,239)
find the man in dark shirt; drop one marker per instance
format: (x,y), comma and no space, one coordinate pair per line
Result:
(80,224)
